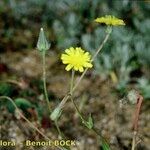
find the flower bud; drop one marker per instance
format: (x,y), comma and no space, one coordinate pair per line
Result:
(42,44)
(56,114)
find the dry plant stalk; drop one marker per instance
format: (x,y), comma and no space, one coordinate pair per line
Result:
(136,119)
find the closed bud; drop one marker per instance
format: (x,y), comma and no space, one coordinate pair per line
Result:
(56,114)
(42,44)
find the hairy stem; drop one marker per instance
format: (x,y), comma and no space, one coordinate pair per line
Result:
(64,100)
(46,93)
(58,129)
(31,124)
(72,82)
(44,81)
(134,140)
(93,58)
(28,121)
(94,129)
(77,109)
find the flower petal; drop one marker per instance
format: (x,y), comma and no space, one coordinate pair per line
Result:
(68,67)
(77,59)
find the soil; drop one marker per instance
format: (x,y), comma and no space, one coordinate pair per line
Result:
(94,95)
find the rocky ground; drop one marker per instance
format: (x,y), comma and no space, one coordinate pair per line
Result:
(94,95)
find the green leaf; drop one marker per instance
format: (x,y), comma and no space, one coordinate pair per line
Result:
(6,89)
(21,103)
(105,146)
(90,122)
(10,107)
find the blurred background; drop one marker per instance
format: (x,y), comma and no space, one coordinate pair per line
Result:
(124,64)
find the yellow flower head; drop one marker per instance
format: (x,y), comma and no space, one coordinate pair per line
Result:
(77,59)
(110,20)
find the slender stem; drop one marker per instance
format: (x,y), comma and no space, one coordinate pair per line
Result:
(12,82)
(78,82)
(71,96)
(44,81)
(94,129)
(137,112)
(67,96)
(77,110)
(97,132)
(72,81)
(76,107)
(134,140)
(31,124)
(46,94)
(28,121)
(101,46)
(58,129)
(64,100)
(93,58)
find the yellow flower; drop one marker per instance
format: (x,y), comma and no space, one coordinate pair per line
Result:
(110,20)
(77,59)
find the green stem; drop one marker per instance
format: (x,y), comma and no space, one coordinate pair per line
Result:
(58,129)
(72,82)
(134,140)
(44,81)
(28,121)
(31,124)
(71,96)
(46,93)
(94,129)
(76,107)
(64,100)
(77,110)
(73,88)
(93,58)
(83,118)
